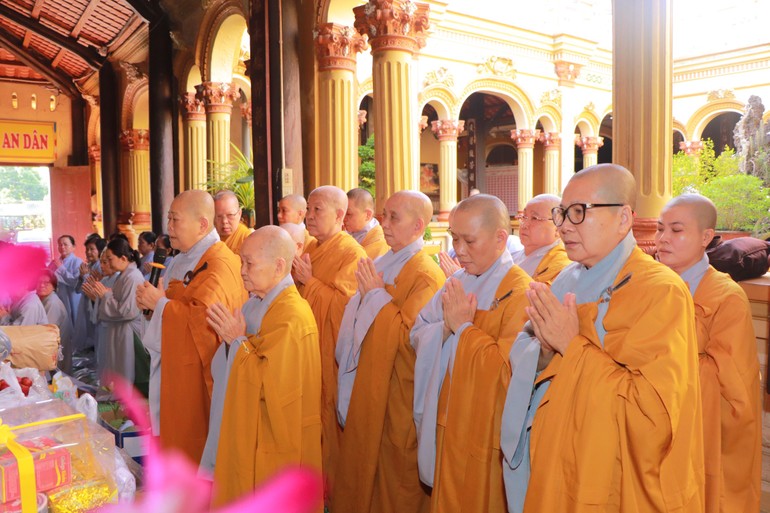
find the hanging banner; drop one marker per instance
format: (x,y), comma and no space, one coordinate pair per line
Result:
(27,142)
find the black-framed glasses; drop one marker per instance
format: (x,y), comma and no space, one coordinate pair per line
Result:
(525,219)
(576,213)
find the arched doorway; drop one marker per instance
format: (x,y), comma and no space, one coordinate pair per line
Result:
(720,131)
(604,154)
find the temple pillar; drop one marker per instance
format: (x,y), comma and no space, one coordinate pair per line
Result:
(246,136)
(524,139)
(396,33)
(95,164)
(194,141)
(139,181)
(218,100)
(552,169)
(447,131)
(642,123)
(124,216)
(590,146)
(336,48)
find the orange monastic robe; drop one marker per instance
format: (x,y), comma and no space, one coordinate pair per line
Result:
(620,428)
(469,469)
(188,344)
(235,240)
(374,242)
(731,393)
(552,264)
(333,284)
(272,413)
(377,466)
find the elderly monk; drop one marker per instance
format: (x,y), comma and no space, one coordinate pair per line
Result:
(377,466)
(543,255)
(272,411)
(462,339)
(326,277)
(180,342)
(617,416)
(362,225)
(297,234)
(227,220)
(292,208)
(729,368)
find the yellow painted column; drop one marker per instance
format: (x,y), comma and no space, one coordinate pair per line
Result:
(447,131)
(396,32)
(524,139)
(218,98)
(552,168)
(124,213)
(194,141)
(336,48)
(642,123)
(95,163)
(139,184)
(590,146)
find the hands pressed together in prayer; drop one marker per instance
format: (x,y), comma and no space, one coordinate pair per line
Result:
(301,269)
(84,269)
(555,324)
(147,296)
(93,288)
(367,276)
(228,325)
(448,264)
(459,307)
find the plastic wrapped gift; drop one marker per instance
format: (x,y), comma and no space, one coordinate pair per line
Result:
(47,447)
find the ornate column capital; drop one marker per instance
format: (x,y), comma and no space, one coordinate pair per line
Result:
(135,139)
(550,140)
(447,129)
(589,144)
(393,24)
(127,141)
(524,138)
(246,112)
(218,96)
(691,148)
(193,106)
(361,118)
(567,72)
(95,153)
(337,45)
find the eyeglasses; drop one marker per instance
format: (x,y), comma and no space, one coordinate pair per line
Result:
(525,219)
(231,217)
(576,213)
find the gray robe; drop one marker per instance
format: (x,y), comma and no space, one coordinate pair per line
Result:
(26,311)
(67,275)
(84,335)
(57,314)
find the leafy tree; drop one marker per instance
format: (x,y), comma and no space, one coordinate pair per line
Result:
(742,201)
(690,173)
(21,184)
(366,165)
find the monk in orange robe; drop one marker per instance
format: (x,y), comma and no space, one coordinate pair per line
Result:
(729,368)
(272,411)
(227,220)
(462,339)
(543,255)
(292,209)
(617,417)
(325,275)
(377,466)
(362,225)
(180,342)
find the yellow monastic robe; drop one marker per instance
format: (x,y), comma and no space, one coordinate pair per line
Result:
(235,240)
(620,428)
(328,292)
(272,413)
(731,393)
(308,239)
(552,264)
(188,344)
(469,468)
(374,242)
(377,466)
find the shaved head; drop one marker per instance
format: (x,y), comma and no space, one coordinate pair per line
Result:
(190,219)
(417,204)
(297,234)
(614,183)
(292,209)
(703,209)
(332,196)
(549,201)
(225,196)
(404,218)
(327,206)
(296,201)
(492,211)
(227,213)
(197,203)
(361,198)
(270,243)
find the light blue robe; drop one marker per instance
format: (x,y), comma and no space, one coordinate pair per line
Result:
(68,274)
(84,336)
(57,314)
(529,263)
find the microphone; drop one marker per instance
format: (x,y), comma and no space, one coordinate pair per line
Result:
(157,268)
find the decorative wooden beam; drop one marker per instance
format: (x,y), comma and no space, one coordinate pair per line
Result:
(27,39)
(89,55)
(36,9)
(83,18)
(58,78)
(56,60)
(128,29)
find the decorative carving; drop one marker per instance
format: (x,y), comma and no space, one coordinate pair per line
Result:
(567,72)
(550,140)
(336,46)
(553,96)
(447,129)
(393,24)
(525,138)
(192,104)
(135,139)
(590,107)
(133,73)
(218,96)
(423,123)
(246,112)
(691,147)
(362,118)
(440,76)
(589,144)
(127,140)
(499,66)
(721,94)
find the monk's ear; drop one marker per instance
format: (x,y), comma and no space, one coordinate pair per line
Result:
(501,237)
(626,218)
(369,214)
(708,235)
(340,215)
